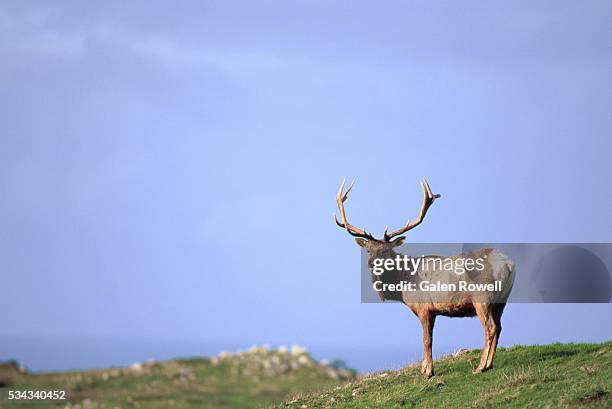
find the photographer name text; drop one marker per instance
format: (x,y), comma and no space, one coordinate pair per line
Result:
(437,286)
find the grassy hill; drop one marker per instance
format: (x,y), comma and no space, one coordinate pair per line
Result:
(250,379)
(550,376)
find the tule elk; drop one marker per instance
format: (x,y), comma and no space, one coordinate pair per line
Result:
(487,306)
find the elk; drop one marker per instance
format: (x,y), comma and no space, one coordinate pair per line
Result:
(488,308)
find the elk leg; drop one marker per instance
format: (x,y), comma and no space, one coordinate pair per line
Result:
(497,313)
(491,352)
(486,319)
(427,321)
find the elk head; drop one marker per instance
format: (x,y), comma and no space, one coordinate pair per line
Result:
(381,248)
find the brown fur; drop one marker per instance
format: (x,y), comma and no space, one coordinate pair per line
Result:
(489,312)
(488,309)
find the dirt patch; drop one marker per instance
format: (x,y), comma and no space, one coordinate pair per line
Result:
(595,396)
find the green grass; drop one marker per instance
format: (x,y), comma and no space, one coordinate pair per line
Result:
(549,376)
(188,383)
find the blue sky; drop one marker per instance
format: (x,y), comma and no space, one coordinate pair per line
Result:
(169,171)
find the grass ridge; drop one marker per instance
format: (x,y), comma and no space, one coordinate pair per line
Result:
(538,376)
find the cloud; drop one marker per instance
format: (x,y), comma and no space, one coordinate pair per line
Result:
(176,54)
(46,32)
(31,33)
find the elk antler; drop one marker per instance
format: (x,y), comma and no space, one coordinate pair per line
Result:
(428,199)
(352,230)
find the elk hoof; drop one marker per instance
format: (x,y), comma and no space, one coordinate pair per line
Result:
(427,372)
(479,370)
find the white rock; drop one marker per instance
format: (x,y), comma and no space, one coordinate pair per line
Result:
(461,351)
(298,350)
(304,359)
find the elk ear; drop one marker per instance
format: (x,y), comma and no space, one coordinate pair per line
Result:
(362,242)
(398,242)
